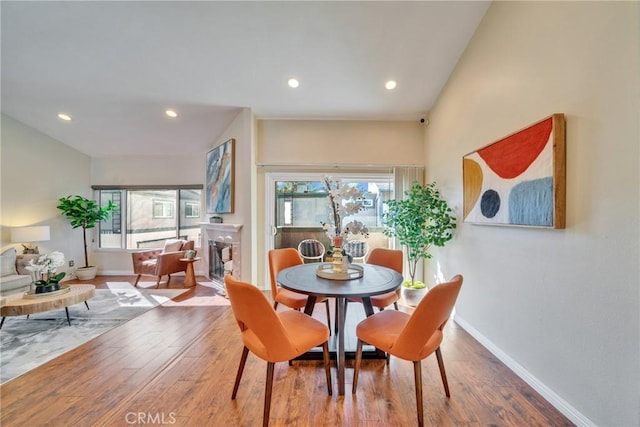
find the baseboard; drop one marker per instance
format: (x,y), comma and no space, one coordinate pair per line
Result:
(558,402)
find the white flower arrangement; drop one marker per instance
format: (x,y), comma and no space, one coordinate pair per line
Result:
(344,200)
(47,263)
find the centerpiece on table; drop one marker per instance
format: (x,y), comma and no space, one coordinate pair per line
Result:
(44,269)
(344,200)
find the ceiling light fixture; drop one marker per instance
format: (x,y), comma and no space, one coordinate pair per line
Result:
(390,85)
(293,83)
(171,114)
(65,117)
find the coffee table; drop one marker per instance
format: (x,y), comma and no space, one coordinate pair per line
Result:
(19,305)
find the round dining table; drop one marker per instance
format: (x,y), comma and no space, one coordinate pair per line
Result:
(375,280)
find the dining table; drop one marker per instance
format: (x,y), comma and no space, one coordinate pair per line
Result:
(374,280)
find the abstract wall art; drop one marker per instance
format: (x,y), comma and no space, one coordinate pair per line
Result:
(520,179)
(220,171)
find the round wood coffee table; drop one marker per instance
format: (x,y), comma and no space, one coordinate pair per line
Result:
(21,304)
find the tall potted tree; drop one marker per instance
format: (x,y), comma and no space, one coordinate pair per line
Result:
(422,219)
(84,213)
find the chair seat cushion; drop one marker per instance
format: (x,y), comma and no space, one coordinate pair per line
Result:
(303,331)
(382,330)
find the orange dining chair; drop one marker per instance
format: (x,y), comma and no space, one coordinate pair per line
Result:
(390,258)
(273,337)
(279,259)
(411,336)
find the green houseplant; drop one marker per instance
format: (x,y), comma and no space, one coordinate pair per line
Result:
(422,219)
(84,213)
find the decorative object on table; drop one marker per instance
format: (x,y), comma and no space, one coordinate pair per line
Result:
(344,200)
(26,236)
(347,272)
(85,213)
(44,269)
(190,254)
(220,176)
(215,220)
(518,180)
(422,219)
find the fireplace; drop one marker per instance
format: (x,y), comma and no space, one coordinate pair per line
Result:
(221,244)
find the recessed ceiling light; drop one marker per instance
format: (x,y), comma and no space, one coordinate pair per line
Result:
(171,114)
(65,117)
(293,83)
(390,85)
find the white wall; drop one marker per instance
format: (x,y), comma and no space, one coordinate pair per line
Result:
(37,170)
(241,129)
(561,306)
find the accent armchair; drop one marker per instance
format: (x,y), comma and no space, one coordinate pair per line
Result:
(160,262)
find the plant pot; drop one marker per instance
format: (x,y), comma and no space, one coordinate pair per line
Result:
(86,273)
(411,296)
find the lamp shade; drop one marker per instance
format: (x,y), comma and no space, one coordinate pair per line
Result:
(30,234)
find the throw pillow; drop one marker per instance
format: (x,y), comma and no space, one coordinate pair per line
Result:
(172,245)
(8,262)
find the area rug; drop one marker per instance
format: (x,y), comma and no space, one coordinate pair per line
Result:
(28,343)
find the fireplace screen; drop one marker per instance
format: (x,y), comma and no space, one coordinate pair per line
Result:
(220,259)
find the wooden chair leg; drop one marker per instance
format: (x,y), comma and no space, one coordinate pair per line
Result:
(356,366)
(168,279)
(243,360)
(267,394)
(137,280)
(417,373)
(443,374)
(327,368)
(328,315)
(395,305)
(158,282)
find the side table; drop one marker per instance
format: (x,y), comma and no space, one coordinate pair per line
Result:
(190,275)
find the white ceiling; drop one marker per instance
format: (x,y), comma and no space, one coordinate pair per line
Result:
(116,66)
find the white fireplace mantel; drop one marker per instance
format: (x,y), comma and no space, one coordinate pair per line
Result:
(220,232)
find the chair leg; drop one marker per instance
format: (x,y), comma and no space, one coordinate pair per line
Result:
(417,373)
(275,305)
(327,368)
(158,282)
(395,305)
(443,374)
(168,279)
(243,360)
(135,285)
(267,394)
(326,302)
(356,366)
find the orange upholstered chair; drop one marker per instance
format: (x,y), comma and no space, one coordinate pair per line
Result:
(411,336)
(160,262)
(390,258)
(279,259)
(273,337)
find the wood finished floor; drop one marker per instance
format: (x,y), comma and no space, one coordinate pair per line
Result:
(176,365)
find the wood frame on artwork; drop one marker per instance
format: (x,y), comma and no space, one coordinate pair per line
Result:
(220,174)
(520,179)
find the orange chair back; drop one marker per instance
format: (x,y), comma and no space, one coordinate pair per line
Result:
(279,259)
(262,331)
(391,258)
(423,332)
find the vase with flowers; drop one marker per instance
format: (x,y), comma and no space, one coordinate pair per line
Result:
(344,200)
(44,270)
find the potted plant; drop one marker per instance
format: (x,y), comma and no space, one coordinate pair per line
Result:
(422,219)
(85,213)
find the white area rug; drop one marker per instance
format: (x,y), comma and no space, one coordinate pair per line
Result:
(28,343)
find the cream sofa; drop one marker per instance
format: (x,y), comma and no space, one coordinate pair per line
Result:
(14,277)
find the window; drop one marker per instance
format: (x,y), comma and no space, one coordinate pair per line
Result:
(162,209)
(192,210)
(146,217)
